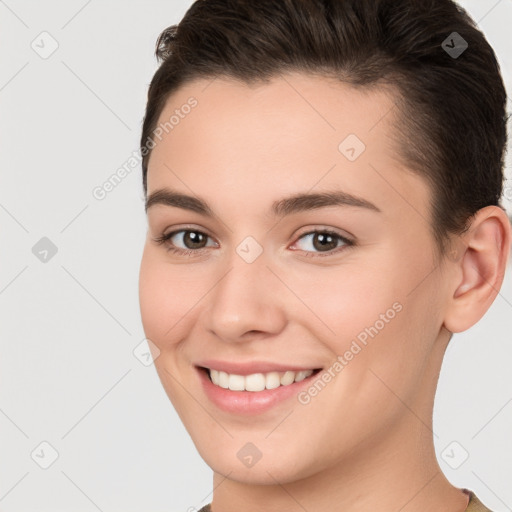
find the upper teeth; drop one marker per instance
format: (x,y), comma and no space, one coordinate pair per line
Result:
(257,381)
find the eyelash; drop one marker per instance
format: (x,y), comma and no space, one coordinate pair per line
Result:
(193,252)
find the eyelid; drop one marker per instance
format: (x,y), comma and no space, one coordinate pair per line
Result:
(326,229)
(187,227)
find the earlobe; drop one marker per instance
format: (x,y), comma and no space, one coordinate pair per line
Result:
(484,251)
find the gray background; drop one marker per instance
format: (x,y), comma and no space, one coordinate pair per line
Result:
(69,326)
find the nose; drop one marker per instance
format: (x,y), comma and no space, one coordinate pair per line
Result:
(246,301)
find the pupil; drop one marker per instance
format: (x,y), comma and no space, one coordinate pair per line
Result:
(191,238)
(325,240)
(320,240)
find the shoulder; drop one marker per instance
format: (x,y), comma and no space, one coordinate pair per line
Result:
(474,505)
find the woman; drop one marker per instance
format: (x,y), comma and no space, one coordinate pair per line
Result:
(322,182)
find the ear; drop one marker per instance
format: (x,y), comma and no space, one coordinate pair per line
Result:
(480,263)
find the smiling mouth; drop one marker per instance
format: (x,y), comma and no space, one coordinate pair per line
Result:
(256,381)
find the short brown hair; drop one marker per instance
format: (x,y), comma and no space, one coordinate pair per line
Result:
(452,122)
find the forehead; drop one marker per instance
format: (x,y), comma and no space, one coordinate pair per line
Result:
(294,106)
(294,132)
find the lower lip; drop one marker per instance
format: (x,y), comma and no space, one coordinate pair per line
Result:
(250,402)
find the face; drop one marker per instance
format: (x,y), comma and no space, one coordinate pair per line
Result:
(304,245)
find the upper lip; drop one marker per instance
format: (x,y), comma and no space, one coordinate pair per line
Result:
(251,367)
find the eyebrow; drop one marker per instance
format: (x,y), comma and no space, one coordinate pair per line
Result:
(286,206)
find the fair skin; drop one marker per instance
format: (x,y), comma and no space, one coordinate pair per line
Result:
(365,442)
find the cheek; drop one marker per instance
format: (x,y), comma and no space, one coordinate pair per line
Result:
(165,297)
(370,318)
(344,301)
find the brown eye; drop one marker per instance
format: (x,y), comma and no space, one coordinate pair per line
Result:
(322,242)
(194,239)
(185,241)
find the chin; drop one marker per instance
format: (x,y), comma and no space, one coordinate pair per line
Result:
(260,474)
(266,471)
